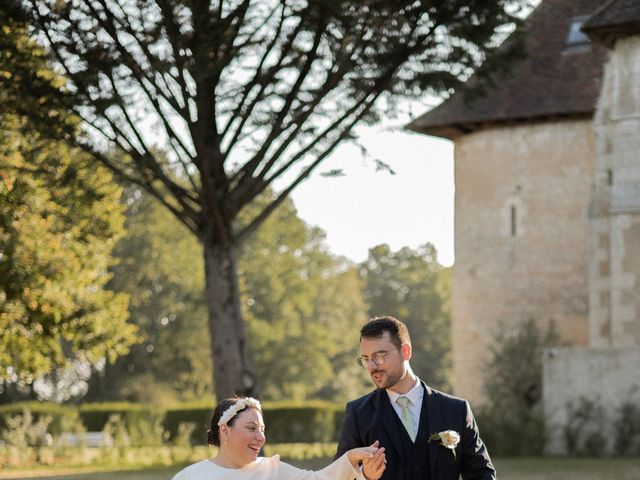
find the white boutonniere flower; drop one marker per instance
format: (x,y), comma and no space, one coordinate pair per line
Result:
(448,439)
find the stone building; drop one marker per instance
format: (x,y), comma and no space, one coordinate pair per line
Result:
(547,207)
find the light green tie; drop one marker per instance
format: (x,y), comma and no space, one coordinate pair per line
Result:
(406,416)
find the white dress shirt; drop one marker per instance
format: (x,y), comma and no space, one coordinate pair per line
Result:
(415,406)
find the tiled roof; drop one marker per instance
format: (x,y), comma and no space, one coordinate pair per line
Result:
(554,80)
(614,19)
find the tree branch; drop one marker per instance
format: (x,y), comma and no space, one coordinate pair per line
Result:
(262,216)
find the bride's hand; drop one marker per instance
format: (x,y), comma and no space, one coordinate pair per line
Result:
(372,457)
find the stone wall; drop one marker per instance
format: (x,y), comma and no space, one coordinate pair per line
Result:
(521,237)
(607,374)
(615,231)
(582,380)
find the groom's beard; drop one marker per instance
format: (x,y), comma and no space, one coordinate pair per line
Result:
(384,379)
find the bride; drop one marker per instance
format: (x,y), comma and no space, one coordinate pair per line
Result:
(237,429)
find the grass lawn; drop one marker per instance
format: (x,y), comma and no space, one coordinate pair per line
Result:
(508,469)
(86,474)
(568,468)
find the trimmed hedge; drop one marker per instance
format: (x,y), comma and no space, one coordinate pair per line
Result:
(95,416)
(141,424)
(198,414)
(309,422)
(286,422)
(12,458)
(64,418)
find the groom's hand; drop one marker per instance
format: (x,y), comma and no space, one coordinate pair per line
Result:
(373,468)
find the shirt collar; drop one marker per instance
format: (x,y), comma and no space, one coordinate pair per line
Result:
(414,395)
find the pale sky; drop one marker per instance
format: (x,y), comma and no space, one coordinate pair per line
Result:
(365,208)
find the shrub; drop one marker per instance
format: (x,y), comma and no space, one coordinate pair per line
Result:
(512,423)
(197,414)
(583,431)
(125,457)
(183,436)
(295,422)
(286,422)
(23,430)
(130,424)
(301,451)
(62,418)
(95,416)
(627,426)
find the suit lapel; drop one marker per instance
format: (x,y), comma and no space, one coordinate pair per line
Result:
(423,422)
(433,405)
(387,415)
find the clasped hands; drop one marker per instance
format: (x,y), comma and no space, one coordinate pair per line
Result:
(373,460)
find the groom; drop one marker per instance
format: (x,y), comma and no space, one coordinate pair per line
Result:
(427,434)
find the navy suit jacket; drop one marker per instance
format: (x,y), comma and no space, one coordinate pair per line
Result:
(372,418)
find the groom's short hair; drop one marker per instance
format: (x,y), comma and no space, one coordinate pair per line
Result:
(376,327)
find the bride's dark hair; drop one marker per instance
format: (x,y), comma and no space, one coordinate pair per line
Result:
(213,434)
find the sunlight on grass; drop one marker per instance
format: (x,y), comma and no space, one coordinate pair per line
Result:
(507,468)
(567,468)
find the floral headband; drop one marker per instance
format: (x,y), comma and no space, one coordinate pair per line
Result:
(233,410)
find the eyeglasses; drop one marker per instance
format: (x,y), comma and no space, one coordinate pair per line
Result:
(377,358)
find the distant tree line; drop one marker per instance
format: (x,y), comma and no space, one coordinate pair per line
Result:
(304,307)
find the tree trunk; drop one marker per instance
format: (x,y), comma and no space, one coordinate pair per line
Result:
(233,372)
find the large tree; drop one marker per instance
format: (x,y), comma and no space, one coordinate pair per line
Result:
(244,93)
(302,306)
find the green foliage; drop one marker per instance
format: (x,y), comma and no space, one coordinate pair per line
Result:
(302,306)
(512,422)
(297,452)
(310,422)
(50,459)
(184,434)
(159,264)
(61,418)
(130,424)
(627,427)
(133,424)
(196,414)
(245,95)
(315,421)
(583,432)
(137,429)
(28,86)
(59,219)
(23,431)
(95,416)
(412,286)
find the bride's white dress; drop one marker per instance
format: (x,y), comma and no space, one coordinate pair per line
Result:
(269,468)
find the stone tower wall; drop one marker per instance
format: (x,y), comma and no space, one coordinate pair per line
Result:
(615,230)
(606,373)
(521,238)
